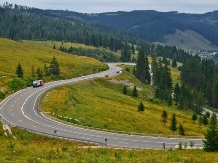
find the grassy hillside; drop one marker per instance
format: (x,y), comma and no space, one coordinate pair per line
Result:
(190,41)
(68,45)
(29,55)
(30,148)
(100,103)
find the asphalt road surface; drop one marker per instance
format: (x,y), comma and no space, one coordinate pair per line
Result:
(21,109)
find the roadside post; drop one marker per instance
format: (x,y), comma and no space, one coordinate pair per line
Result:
(106,141)
(164,145)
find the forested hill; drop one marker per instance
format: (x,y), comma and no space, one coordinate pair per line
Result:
(152,25)
(157,24)
(21,22)
(198,31)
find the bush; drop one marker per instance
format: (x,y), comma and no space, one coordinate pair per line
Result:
(16,84)
(156,101)
(28,81)
(2,95)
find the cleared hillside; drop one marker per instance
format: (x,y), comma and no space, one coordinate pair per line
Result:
(189,40)
(12,53)
(29,55)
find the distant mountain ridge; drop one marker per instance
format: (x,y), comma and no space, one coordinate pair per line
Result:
(152,25)
(133,27)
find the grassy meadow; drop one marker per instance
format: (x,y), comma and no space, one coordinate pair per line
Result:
(189,40)
(100,103)
(32,148)
(29,54)
(57,44)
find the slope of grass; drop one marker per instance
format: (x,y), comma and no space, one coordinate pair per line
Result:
(29,55)
(57,44)
(101,104)
(29,148)
(189,40)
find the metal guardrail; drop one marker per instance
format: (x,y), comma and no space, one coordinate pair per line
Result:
(61,137)
(123,132)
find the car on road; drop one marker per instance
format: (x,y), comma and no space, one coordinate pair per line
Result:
(106,75)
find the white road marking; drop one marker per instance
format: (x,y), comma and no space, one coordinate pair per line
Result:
(99,136)
(122,143)
(135,140)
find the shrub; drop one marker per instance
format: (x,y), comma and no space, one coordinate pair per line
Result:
(2,95)
(16,84)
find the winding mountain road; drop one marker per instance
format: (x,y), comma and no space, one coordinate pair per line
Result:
(21,110)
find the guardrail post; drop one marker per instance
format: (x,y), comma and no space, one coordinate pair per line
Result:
(164,145)
(106,141)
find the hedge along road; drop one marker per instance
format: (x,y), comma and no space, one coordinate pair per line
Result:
(21,110)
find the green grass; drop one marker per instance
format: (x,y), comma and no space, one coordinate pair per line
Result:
(29,148)
(57,44)
(190,41)
(29,54)
(101,104)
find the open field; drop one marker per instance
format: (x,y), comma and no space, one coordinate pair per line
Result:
(190,41)
(29,55)
(57,44)
(100,103)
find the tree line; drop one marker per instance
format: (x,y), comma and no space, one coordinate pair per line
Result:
(20,82)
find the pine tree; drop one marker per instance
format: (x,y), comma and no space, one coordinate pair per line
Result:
(164,117)
(134,92)
(211,136)
(12,33)
(173,123)
(46,71)
(141,107)
(181,130)
(174,64)
(133,49)
(140,67)
(54,47)
(169,98)
(205,120)
(54,68)
(39,73)
(177,92)
(19,71)
(125,90)
(200,120)
(208,114)
(194,117)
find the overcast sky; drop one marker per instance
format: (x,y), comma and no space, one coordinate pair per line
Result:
(99,6)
